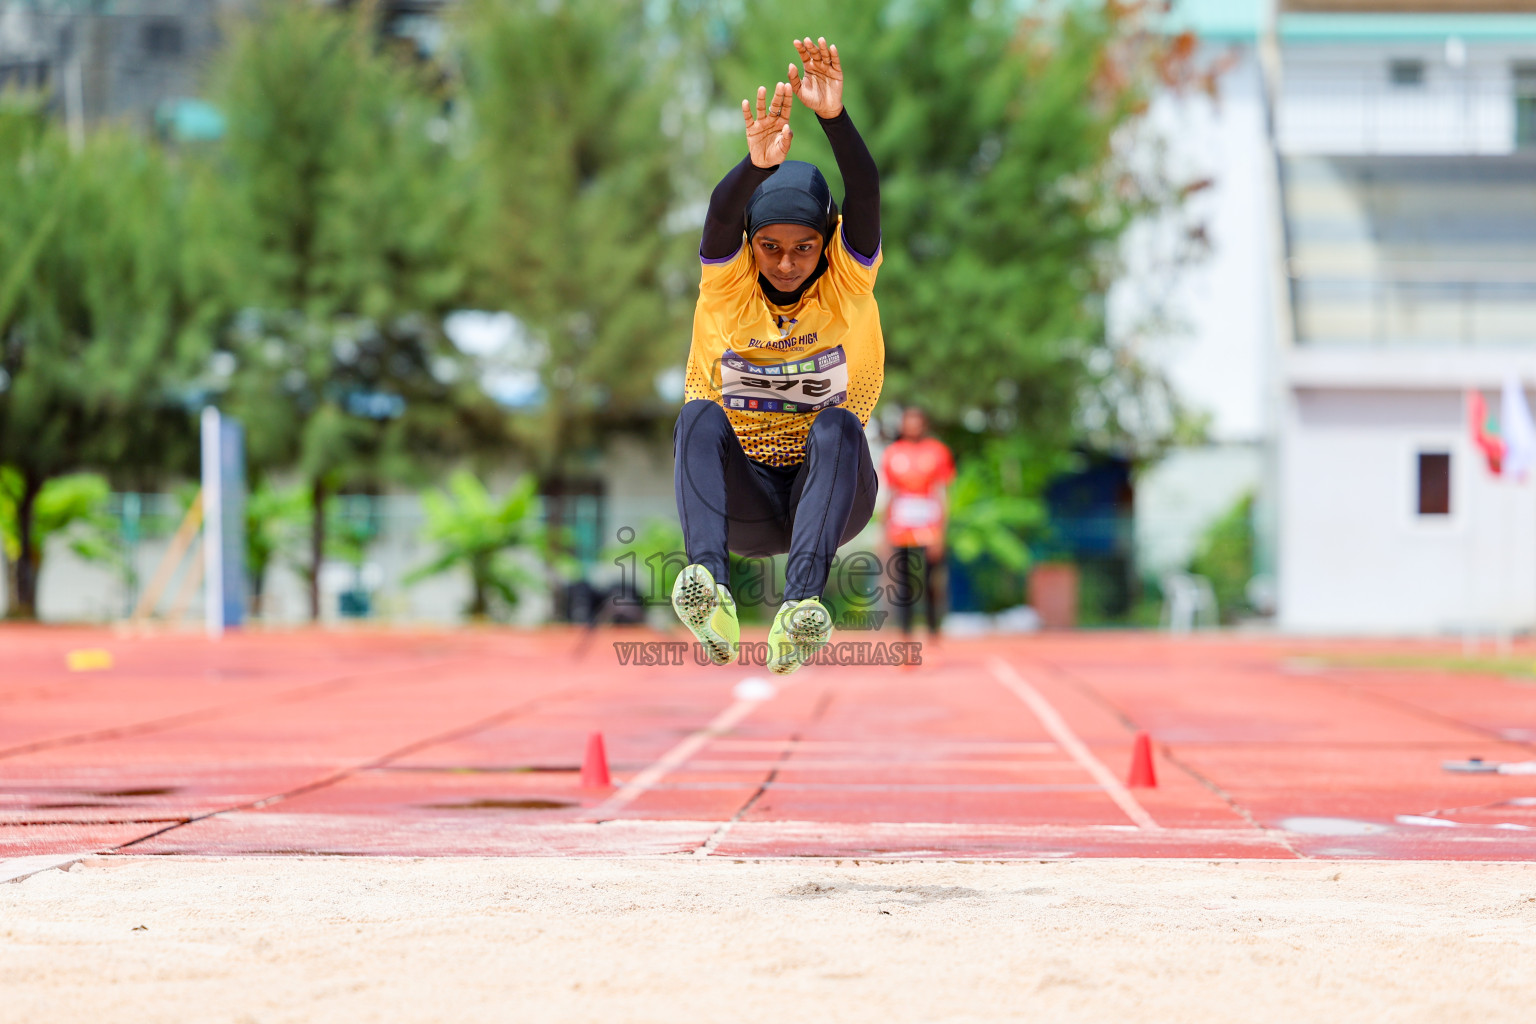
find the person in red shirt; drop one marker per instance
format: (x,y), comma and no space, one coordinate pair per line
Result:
(917,469)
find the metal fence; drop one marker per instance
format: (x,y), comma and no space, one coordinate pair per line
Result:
(1481,110)
(375,543)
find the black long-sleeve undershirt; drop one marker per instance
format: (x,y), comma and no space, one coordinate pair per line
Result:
(861,202)
(728,207)
(861,184)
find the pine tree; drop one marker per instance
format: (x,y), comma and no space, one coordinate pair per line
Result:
(348,207)
(582,143)
(101,324)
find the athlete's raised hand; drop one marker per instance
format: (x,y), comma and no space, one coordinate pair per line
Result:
(821,87)
(768,136)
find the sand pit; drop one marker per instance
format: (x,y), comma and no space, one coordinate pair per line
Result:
(346,939)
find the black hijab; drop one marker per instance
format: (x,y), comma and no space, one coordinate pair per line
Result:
(794,194)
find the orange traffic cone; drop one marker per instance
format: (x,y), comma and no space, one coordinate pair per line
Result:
(1143,775)
(594,767)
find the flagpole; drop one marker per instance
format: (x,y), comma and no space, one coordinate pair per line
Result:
(1507,613)
(1476,609)
(1468,547)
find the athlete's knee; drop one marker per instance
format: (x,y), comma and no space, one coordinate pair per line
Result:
(702,410)
(701,419)
(836,424)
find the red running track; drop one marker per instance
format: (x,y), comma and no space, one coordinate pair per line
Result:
(469,743)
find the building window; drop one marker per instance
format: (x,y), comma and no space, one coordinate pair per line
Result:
(162,38)
(24,75)
(1523,75)
(1406,73)
(1434,483)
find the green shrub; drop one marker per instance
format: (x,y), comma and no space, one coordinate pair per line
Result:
(73,506)
(477,532)
(1225,557)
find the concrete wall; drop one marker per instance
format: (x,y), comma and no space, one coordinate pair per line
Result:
(1355,557)
(1179,499)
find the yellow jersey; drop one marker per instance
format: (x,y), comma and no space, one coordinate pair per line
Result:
(773,368)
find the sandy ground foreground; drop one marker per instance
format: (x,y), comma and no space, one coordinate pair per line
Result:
(340,939)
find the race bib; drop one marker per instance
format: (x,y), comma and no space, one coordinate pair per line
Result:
(800,385)
(911,512)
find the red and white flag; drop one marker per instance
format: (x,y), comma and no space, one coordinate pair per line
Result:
(1485,431)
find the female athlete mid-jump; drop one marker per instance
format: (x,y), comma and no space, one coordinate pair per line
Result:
(785,367)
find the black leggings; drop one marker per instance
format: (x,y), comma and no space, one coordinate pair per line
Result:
(728,502)
(914,579)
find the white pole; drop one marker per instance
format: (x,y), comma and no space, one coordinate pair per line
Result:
(74,96)
(1506,618)
(1468,550)
(213,525)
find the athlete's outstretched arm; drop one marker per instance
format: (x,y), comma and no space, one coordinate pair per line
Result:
(768,139)
(820,87)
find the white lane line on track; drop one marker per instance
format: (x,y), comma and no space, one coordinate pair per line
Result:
(861,764)
(906,747)
(779,786)
(632,790)
(1063,734)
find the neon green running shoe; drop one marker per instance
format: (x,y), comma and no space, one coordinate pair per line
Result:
(708,611)
(800,629)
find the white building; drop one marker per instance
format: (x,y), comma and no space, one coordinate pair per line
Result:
(1374,257)
(1409,190)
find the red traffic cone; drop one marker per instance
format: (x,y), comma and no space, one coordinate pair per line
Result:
(594,767)
(1143,775)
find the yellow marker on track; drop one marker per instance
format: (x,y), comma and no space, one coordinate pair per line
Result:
(88,660)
